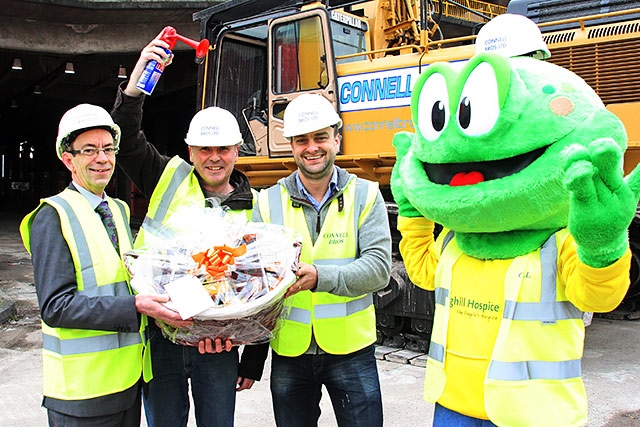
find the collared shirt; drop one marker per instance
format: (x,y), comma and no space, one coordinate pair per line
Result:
(333,185)
(92,198)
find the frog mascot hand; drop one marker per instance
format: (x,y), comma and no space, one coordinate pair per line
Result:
(521,163)
(601,201)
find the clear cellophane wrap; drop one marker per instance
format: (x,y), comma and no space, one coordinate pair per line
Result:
(246,268)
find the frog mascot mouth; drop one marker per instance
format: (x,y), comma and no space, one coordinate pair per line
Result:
(456,174)
(521,163)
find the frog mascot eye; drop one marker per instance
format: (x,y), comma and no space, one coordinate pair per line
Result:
(433,107)
(479,109)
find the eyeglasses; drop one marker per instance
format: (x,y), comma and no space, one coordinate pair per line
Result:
(92,151)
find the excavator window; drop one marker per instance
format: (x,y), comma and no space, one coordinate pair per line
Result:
(346,41)
(299,59)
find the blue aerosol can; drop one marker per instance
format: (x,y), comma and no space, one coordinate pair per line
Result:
(154,69)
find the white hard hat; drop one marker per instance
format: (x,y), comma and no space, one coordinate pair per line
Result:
(213,127)
(512,35)
(81,118)
(308,113)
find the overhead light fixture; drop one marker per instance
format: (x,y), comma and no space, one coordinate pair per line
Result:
(68,69)
(14,103)
(122,72)
(37,90)
(17,64)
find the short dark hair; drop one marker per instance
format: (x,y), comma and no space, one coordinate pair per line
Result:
(68,140)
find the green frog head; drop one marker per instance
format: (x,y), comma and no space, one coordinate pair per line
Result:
(486,160)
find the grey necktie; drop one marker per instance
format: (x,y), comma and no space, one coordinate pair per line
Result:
(107,220)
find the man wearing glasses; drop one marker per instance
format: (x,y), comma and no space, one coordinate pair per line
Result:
(94,355)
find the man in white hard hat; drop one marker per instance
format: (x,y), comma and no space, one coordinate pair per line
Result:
(328,335)
(213,140)
(92,325)
(512,35)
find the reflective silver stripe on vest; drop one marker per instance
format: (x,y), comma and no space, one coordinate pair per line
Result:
(94,344)
(447,238)
(441,296)
(179,175)
(275,205)
(88,274)
(534,370)
(328,311)
(548,310)
(436,351)
(112,289)
(91,287)
(299,315)
(362,190)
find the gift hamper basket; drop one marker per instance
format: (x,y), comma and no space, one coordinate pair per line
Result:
(228,274)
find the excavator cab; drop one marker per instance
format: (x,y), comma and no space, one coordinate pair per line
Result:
(258,66)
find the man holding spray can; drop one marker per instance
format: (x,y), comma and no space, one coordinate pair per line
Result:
(213,370)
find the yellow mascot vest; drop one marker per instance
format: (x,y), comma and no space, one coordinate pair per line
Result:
(525,374)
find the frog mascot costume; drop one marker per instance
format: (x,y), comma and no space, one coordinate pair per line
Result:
(521,163)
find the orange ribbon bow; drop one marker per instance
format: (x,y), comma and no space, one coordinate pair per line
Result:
(217,260)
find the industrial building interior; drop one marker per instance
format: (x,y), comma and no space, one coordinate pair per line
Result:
(57,54)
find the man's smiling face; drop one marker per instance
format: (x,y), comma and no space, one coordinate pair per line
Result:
(214,166)
(315,152)
(91,172)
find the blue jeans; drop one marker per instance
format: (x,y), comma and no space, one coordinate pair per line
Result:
(351,380)
(443,417)
(213,385)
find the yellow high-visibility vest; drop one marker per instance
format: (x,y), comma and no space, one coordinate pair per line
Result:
(177,188)
(84,363)
(341,325)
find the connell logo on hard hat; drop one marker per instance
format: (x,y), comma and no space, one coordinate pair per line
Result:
(308,116)
(495,43)
(92,118)
(210,130)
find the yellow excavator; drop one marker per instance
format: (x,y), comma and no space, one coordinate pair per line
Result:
(364,57)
